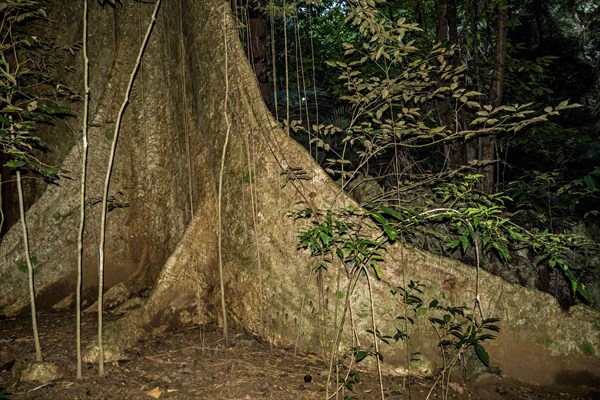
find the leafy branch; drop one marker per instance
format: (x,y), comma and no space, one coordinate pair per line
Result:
(475,219)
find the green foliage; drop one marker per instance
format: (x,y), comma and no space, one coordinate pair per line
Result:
(587,348)
(4,394)
(395,89)
(408,103)
(316,32)
(574,196)
(457,329)
(472,219)
(337,238)
(22,264)
(410,297)
(352,379)
(527,79)
(21,110)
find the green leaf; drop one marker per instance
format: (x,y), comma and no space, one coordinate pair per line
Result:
(590,182)
(465,242)
(485,240)
(15,164)
(109,133)
(360,355)
(490,321)
(482,354)
(514,234)
(377,270)
(390,232)
(392,212)
(485,336)
(324,238)
(4,394)
(501,249)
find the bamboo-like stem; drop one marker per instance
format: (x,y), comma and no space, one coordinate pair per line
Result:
(287,75)
(36,335)
(375,338)
(111,160)
(221,172)
(86,105)
(352,280)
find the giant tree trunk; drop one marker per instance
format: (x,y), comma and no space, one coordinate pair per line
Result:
(169,159)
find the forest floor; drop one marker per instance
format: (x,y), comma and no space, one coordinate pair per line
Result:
(194,363)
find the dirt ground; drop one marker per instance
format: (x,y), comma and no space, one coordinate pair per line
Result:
(194,363)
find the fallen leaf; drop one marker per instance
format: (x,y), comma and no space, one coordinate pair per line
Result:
(154,393)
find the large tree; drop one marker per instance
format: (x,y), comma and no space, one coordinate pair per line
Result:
(198,185)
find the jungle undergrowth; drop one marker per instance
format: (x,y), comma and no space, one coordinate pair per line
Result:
(393,90)
(339,243)
(22,111)
(391,86)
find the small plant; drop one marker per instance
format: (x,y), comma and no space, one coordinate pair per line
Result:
(410,299)
(4,394)
(337,238)
(457,329)
(352,379)
(336,241)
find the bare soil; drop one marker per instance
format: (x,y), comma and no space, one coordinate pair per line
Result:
(194,363)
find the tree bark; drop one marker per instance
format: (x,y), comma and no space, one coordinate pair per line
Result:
(447,33)
(271,288)
(487,144)
(258,45)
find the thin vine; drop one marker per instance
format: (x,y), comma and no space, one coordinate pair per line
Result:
(111,159)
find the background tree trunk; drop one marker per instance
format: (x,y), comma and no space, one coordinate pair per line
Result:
(487,144)
(447,34)
(258,48)
(173,135)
